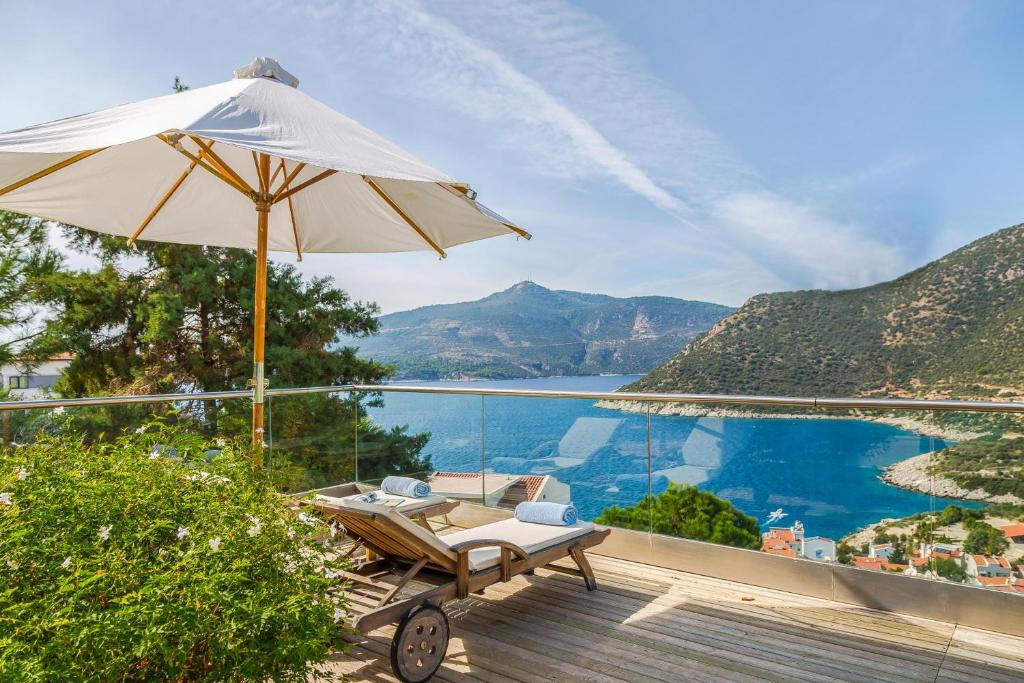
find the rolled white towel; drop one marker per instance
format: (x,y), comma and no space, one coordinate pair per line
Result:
(545,512)
(405,486)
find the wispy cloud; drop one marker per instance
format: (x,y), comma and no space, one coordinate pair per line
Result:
(575,102)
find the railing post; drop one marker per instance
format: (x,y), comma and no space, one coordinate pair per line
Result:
(650,477)
(355,436)
(483,454)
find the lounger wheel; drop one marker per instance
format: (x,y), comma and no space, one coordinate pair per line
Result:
(420,644)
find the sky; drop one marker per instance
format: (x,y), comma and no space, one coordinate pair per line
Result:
(702,150)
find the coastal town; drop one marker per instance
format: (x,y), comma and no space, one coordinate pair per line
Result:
(956,545)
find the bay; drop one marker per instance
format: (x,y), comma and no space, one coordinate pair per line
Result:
(822,472)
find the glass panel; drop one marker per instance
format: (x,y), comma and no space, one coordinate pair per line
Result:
(105,423)
(562,450)
(976,475)
(803,483)
(420,435)
(311,440)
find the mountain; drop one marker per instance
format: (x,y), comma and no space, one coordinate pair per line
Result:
(531,331)
(953,328)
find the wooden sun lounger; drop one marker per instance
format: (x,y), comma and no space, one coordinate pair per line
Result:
(467,562)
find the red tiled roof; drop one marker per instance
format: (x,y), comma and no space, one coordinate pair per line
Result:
(784,552)
(994,580)
(878,564)
(778,534)
(1013,530)
(458,475)
(986,561)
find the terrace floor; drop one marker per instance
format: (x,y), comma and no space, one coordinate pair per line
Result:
(651,624)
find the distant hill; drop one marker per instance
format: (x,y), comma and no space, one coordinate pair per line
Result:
(531,331)
(954,328)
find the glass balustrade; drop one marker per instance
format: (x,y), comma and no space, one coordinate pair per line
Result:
(937,496)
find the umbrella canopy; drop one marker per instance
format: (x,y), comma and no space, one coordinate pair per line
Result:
(132,170)
(251,163)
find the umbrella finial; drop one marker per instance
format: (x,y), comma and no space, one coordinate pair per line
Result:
(265,67)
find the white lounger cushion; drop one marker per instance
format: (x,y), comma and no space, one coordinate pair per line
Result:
(402,503)
(530,537)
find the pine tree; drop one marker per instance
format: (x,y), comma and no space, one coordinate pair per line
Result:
(168,318)
(25,258)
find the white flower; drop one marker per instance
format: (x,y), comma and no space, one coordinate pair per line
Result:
(140,430)
(182,532)
(59,410)
(207,477)
(258,430)
(154,455)
(13,565)
(339,614)
(306,519)
(22,474)
(222,442)
(104,532)
(66,564)
(5,498)
(256,527)
(214,544)
(334,529)
(329,574)
(291,533)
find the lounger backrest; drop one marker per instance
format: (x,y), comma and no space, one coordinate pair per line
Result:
(388,532)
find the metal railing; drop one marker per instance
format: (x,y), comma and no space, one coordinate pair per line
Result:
(932,599)
(630,396)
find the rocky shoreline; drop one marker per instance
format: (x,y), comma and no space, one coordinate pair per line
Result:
(911,424)
(912,474)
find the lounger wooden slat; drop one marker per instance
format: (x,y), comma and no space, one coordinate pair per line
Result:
(448,568)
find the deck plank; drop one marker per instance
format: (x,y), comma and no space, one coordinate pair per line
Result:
(659,625)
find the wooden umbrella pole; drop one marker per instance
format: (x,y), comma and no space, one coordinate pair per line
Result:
(263,204)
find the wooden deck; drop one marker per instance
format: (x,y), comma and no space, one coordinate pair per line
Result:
(651,624)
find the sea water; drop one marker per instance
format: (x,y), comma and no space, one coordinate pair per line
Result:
(823,472)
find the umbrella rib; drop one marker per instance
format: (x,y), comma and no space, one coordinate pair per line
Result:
(50,169)
(176,146)
(397,209)
(220,163)
(303,185)
(460,191)
(291,207)
(288,177)
(162,202)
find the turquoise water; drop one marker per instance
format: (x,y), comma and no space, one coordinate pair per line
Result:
(822,472)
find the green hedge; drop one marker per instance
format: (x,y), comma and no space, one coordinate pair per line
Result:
(117,563)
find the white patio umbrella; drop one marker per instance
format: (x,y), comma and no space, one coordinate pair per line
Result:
(252,163)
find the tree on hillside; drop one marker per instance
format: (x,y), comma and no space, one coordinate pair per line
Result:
(162,318)
(25,258)
(985,539)
(687,512)
(948,569)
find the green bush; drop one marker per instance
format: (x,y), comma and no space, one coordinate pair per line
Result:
(985,539)
(949,569)
(687,512)
(123,564)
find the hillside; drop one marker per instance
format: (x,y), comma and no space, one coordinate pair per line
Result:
(530,331)
(953,328)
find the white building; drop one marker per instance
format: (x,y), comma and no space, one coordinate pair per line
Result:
(819,548)
(882,550)
(33,380)
(988,566)
(499,490)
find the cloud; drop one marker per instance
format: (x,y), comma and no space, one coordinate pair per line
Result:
(572,101)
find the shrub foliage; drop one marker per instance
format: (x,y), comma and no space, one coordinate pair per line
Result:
(687,512)
(118,563)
